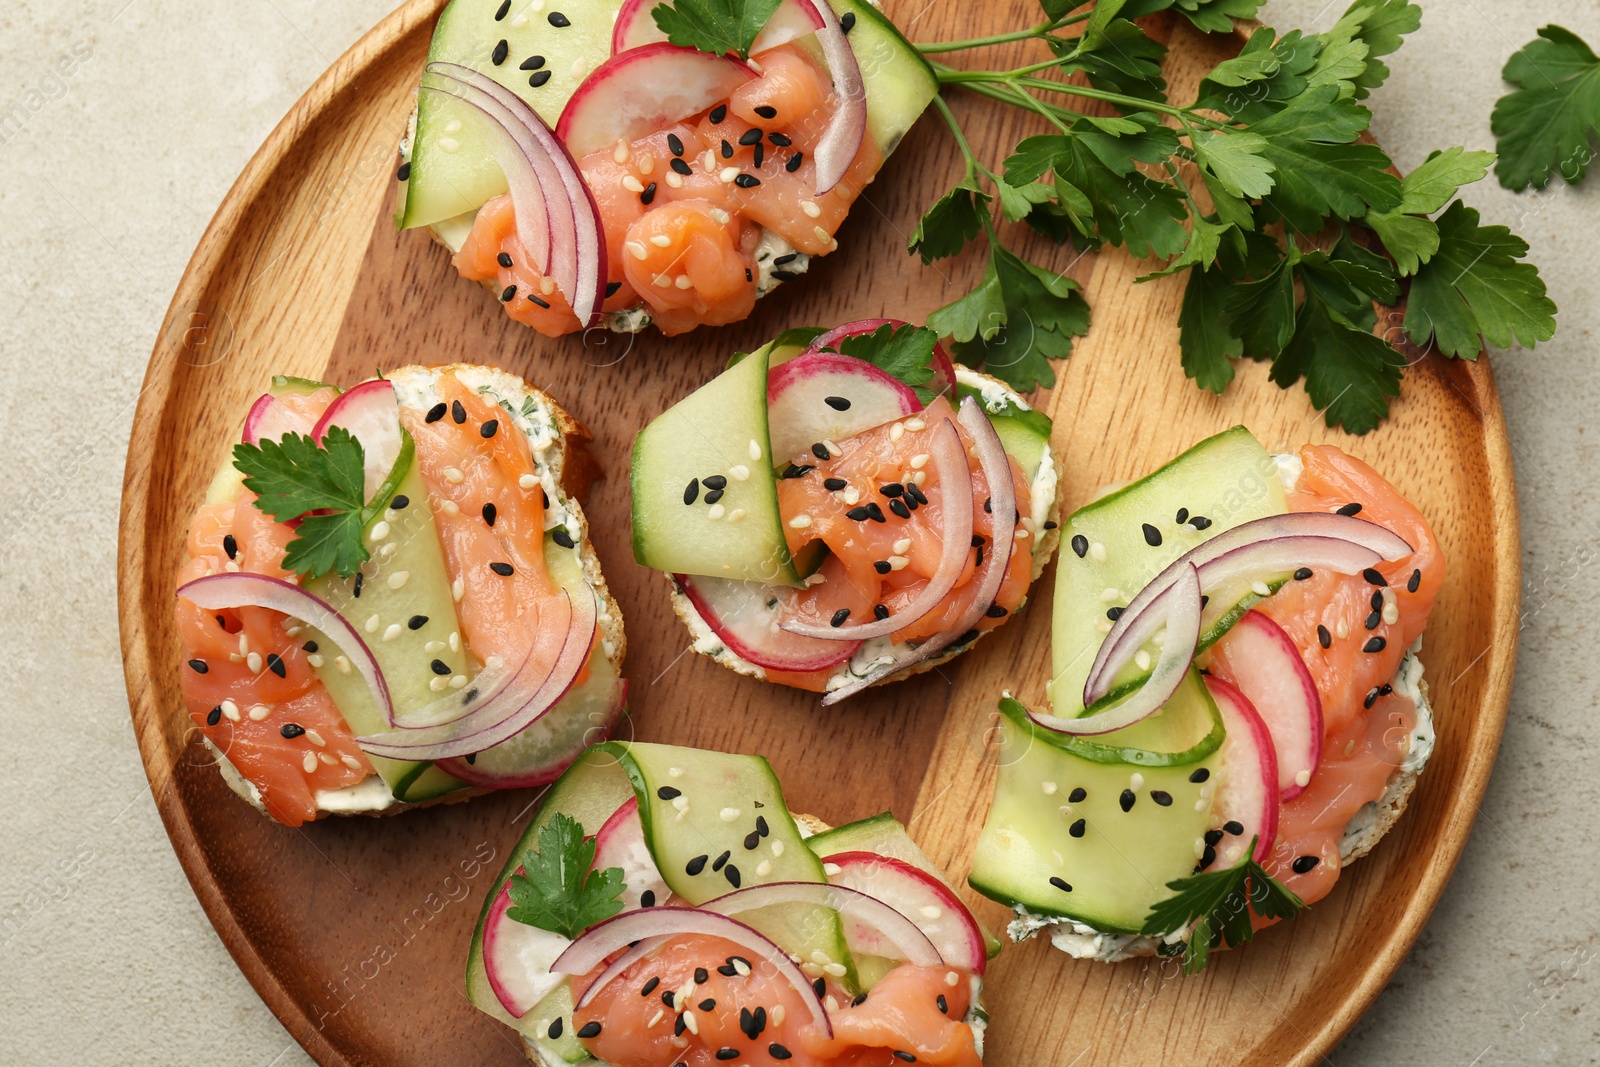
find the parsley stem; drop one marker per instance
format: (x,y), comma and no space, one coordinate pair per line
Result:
(973,80)
(1043,29)
(974,165)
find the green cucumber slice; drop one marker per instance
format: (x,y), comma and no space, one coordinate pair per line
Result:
(1120,861)
(900,83)
(1228,479)
(718,430)
(452,165)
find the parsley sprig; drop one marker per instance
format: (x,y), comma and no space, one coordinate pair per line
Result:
(1290,228)
(1219,905)
(1547,126)
(322,486)
(720,27)
(903,352)
(556,890)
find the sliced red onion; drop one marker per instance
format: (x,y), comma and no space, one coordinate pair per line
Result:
(537,687)
(1262,546)
(579,267)
(372,415)
(955,474)
(996,469)
(900,932)
(219,592)
(1182,603)
(840,142)
(652,926)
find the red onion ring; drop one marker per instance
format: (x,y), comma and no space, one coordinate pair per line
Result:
(840,142)
(908,938)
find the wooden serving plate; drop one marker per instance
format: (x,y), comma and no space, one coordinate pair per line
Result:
(354,931)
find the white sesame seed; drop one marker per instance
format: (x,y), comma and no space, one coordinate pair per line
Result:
(736,514)
(1049,788)
(836,970)
(450,507)
(308,762)
(1103,625)
(661,240)
(636,250)
(715,511)
(437,683)
(819,957)
(393,632)
(316,739)
(1342,630)
(1020,534)
(1349,747)
(398,578)
(325,758)
(902,546)
(811,210)
(380,530)
(739,472)
(1199,847)
(231,710)
(657,1017)
(1135,780)
(952,979)
(632,184)
(646,162)
(728,814)
(683,281)
(919,461)
(754,449)
(727,174)
(449,144)
(898,562)
(580,67)
(458,681)
(350,761)
(342,663)
(388,551)
(920,477)
(681,803)
(833,449)
(721,216)
(1097,552)
(527,481)
(619,154)
(915,424)
(708,160)
(253,661)
(844,191)
(740,966)
(433,646)
(675,772)
(763,868)
(457,589)
(689,1021)
(896,432)
(1141,659)
(776,1014)
(674,180)
(851,495)
(315,659)
(1302,779)
(453,475)
(777,849)
(1391,613)
(829,869)
(1200,805)
(661,281)
(1260,588)
(1110,595)
(455,641)
(800,522)
(822,235)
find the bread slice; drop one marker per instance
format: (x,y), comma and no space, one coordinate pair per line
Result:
(1044,513)
(565,468)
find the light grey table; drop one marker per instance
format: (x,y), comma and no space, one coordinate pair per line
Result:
(122,124)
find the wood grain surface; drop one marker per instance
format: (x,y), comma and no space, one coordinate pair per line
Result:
(355,931)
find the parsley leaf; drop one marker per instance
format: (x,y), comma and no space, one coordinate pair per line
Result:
(1475,287)
(1208,347)
(1546,125)
(1409,238)
(715,26)
(1114,54)
(1219,905)
(1208,16)
(904,352)
(556,890)
(1318,172)
(294,477)
(1381,29)
(953,220)
(1019,318)
(1351,374)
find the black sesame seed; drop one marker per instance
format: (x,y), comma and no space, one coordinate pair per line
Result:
(504,259)
(1371,699)
(560,536)
(309,646)
(779,139)
(555,1026)
(1350,509)
(731,873)
(400,503)
(1080,545)
(1304,864)
(859,514)
(995,611)
(680,1026)
(439,667)
(558,20)
(833,485)
(538,78)
(893,489)
(675,143)
(1302,574)
(747,181)
(1126,799)
(794,162)
(701,976)
(750,137)
(761,825)
(508,294)
(820,450)
(667,792)
(1373,620)
(752,841)
(696,865)
(944,1005)
(1078,795)
(230,545)
(900,509)
(645,197)
(708,1004)
(404,173)
(837,403)
(501,50)
(532,63)
(1414,581)
(714,496)
(727,970)
(490,512)
(650,987)
(785,275)
(1183,516)
(727,149)
(355,588)
(1162,797)
(766,111)
(1200,522)
(1213,837)
(1377,602)
(276,666)
(214,716)
(681,167)
(880,612)
(1152,536)
(847,21)
(901,1054)
(1077,828)
(914,491)
(819,987)
(1324,638)
(759,155)
(1200,775)
(1114,614)
(778,1052)
(458,413)
(489,429)
(691,492)
(1051,524)
(790,258)
(647,899)
(199,666)
(1374,644)
(1374,576)
(839,617)
(977,540)
(1061,884)
(874,512)
(498,16)
(504,570)
(796,471)
(590,1029)
(1207,858)
(727,1053)
(721,861)
(1234,827)
(436,412)
(719,113)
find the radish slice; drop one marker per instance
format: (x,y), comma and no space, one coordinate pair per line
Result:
(888,932)
(840,142)
(944,371)
(620,843)
(218,592)
(955,475)
(821,396)
(917,895)
(651,926)
(270,420)
(644,90)
(517,957)
(1263,663)
(1003,506)
(372,415)
(1269,545)
(1247,793)
(737,612)
(579,266)
(635,26)
(537,687)
(1182,602)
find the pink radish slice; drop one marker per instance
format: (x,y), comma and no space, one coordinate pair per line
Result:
(537,756)
(621,843)
(1247,788)
(738,613)
(840,142)
(517,957)
(920,897)
(1266,667)
(650,927)
(270,420)
(944,371)
(821,396)
(372,415)
(636,26)
(954,469)
(644,90)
